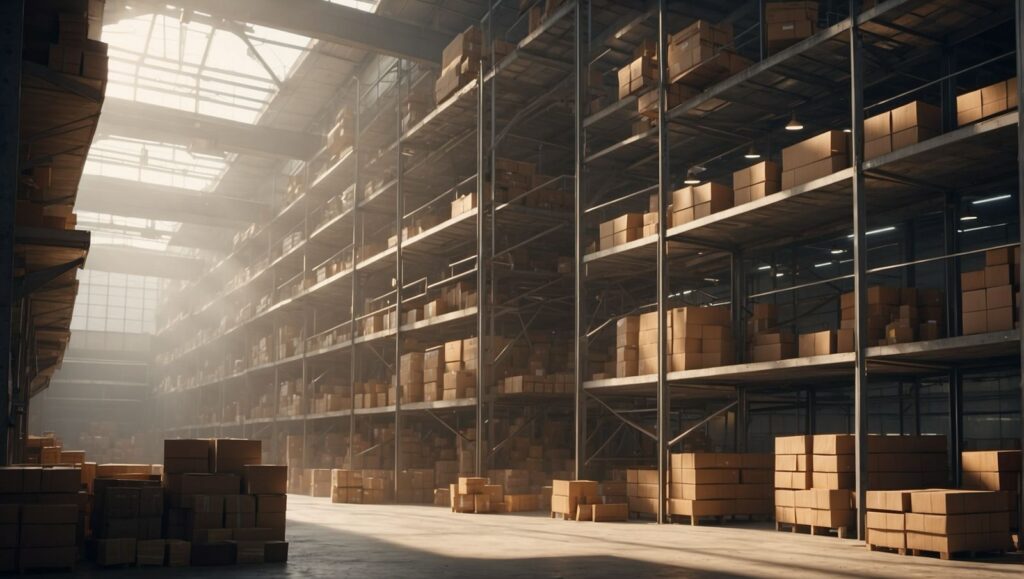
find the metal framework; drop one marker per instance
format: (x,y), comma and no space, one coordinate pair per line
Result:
(679,259)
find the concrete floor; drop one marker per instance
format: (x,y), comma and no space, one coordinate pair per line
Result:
(370,541)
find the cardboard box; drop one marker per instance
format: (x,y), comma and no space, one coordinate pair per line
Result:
(265,479)
(230,455)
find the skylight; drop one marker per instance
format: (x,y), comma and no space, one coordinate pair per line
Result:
(154,162)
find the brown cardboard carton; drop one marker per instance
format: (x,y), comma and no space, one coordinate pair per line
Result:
(821,147)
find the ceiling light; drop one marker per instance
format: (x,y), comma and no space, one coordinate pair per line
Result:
(990,199)
(691,178)
(764,268)
(780,274)
(847,131)
(837,250)
(823,264)
(875,231)
(968,215)
(794,124)
(752,153)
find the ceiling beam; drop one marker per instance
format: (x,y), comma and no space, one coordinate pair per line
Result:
(128,198)
(149,262)
(333,23)
(131,119)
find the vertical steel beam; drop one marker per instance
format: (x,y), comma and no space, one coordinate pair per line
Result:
(579,313)
(664,405)
(12,17)
(956,422)
(492,166)
(859,262)
(1020,204)
(481,269)
(741,419)
(762,32)
(353,373)
(399,278)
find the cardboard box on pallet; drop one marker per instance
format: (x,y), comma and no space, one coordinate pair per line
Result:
(642,490)
(814,158)
(992,470)
(949,521)
(793,462)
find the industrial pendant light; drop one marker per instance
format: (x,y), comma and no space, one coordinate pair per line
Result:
(794,124)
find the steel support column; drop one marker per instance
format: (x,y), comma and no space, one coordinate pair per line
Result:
(399,281)
(12,16)
(579,309)
(354,285)
(664,405)
(481,270)
(859,261)
(956,422)
(1020,200)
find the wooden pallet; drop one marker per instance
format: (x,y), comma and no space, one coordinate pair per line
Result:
(884,549)
(841,532)
(699,520)
(957,555)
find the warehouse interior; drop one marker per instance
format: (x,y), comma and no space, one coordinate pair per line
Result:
(443,273)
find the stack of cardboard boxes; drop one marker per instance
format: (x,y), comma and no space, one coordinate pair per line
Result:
(787,23)
(127,520)
(416,485)
(885,519)
(463,203)
(990,296)
(900,127)
(460,63)
(993,470)
(621,230)
(642,491)
(755,182)
(411,377)
(346,486)
(569,497)
(953,521)
(433,374)
(985,102)
(460,360)
(476,495)
(320,482)
(894,316)
(793,472)
(700,55)
(720,484)
(766,341)
(815,158)
(694,202)
(638,76)
(75,51)
(42,514)
(378,486)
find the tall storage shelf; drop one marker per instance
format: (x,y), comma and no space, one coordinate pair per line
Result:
(546,98)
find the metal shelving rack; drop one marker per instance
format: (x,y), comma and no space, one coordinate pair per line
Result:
(606,169)
(887,183)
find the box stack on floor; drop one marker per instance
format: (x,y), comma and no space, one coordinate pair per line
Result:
(717,485)
(42,517)
(320,482)
(231,511)
(949,522)
(642,491)
(793,472)
(885,519)
(907,462)
(991,295)
(127,521)
(346,486)
(476,495)
(581,500)
(994,470)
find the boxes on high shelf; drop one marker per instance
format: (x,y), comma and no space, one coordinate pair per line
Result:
(755,182)
(817,343)
(637,76)
(623,229)
(699,56)
(787,23)
(814,158)
(697,201)
(773,346)
(627,332)
(676,94)
(460,62)
(900,127)
(990,295)
(986,102)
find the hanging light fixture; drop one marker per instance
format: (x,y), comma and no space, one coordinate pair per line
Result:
(752,153)
(968,215)
(691,178)
(794,124)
